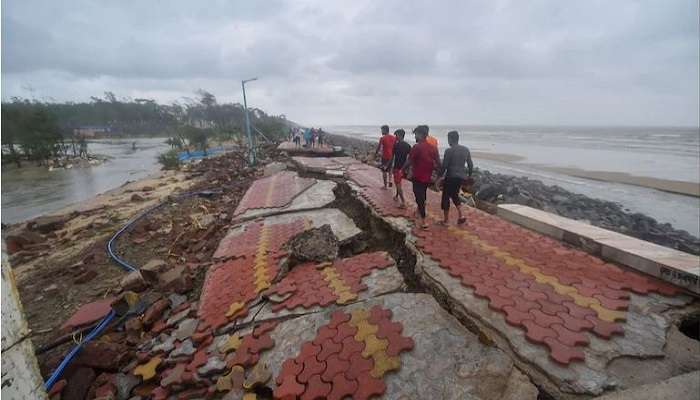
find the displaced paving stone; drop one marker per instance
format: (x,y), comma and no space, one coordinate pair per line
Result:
(258,376)
(165,346)
(89,313)
(176,300)
(133,281)
(318,244)
(176,278)
(214,365)
(186,349)
(148,370)
(102,355)
(175,319)
(155,311)
(153,269)
(185,329)
(124,384)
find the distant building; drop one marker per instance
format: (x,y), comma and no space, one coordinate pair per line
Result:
(90,131)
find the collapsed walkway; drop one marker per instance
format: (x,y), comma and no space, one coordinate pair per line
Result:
(487,310)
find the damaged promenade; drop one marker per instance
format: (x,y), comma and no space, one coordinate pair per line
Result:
(302,279)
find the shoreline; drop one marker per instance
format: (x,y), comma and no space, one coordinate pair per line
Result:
(684,188)
(501,188)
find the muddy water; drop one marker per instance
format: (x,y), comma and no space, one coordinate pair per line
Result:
(30,191)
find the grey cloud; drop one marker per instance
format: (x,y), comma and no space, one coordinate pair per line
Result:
(507,61)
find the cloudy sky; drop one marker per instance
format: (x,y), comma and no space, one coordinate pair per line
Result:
(369,62)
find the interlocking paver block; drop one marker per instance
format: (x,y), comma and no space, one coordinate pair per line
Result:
(383,364)
(358,366)
(364,329)
(148,370)
(373,345)
(368,387)
(328,348)
(334,366)
(259,375)
(311,367)
(562,353)
(350,347)
(341,387)
(316,389)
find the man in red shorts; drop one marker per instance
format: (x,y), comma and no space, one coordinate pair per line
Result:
(386,145)
(401,150)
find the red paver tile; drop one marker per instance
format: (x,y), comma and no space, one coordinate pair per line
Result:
(342,387)
(311,367)
(612,304)
(575,324)
(569,337)
(264,328)
(308,349)
(324,333)
(358,366)
(199,359)
(388,328)
(516,317)
(334,366)
(562,353)
(350,347)
(328,347)
(88,313)
(398,344)
(344,330)
(369,387)
(316,389)
(289,368)
(289,389)
(605,329)
(537,333)
(545,320)
(551,308)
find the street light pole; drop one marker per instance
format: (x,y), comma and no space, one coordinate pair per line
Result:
(247,123)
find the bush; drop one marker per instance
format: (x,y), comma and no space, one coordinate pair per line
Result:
(169,159)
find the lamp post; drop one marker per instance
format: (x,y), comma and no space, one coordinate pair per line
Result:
(247,122)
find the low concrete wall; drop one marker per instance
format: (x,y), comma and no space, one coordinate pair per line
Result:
(20,371)
(670,265)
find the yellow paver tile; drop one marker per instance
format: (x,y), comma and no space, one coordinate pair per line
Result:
(148,370)
(364,329)
(234,308)
(346,297)
(373,345)
(358,315)
(384,364)
(231,344)
(608,315)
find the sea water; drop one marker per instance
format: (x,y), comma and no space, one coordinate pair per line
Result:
(671,153)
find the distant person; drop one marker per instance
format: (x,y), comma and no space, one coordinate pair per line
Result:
(431,140)
(423,160)
(133,145)
(386,145)
(307,137)
(314,135)
(297,137)
(320,137)
(400,153)
(454,175)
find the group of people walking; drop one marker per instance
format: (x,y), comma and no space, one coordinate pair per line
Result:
(421,165)
(312,137)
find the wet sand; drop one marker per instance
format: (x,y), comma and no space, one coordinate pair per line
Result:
(666,185)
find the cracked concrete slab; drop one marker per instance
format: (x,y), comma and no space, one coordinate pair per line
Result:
(319,195)
(447,361)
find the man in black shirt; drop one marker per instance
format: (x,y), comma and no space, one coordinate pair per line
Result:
(401,150)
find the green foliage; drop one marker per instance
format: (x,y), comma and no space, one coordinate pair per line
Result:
(169,159)
(36,131)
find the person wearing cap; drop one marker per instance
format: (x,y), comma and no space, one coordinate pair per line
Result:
(401,150)
(453,174)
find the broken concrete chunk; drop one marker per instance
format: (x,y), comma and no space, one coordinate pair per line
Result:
(186,349)
(177,317)
(155,311)
(317,244)
(176,279)
(133,281)
(176,299)
(124,384)
(153,269)
(214,365)
(186,328)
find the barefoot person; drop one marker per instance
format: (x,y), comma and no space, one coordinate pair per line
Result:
(386,145)
(401,150)
(454,174)
(423,160)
